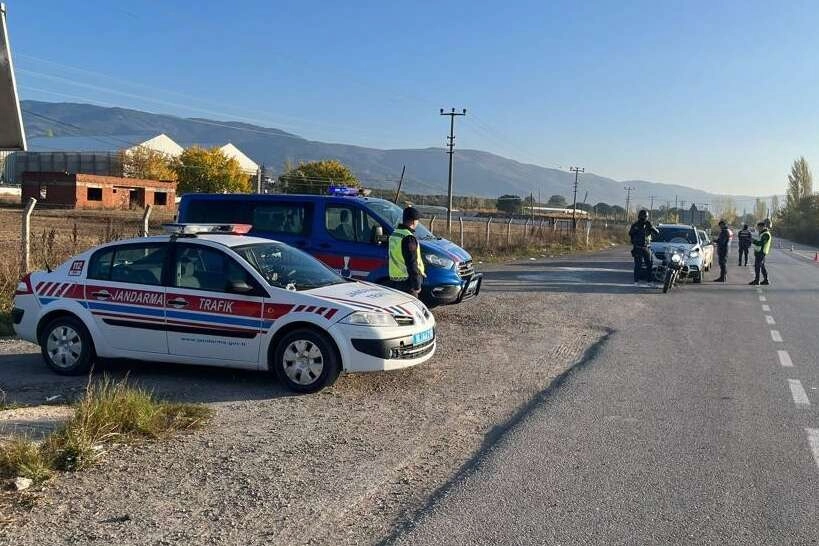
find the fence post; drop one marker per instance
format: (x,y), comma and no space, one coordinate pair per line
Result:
(554,225)
(487,231)
(25,259)
(146,216)
(540,229)
(461,223)
(525,229)
(509,232)
(432,225)
(588,231)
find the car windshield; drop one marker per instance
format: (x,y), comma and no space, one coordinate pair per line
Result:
(393,214)
(283,266)
(675,235)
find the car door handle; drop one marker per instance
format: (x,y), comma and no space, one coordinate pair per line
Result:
(101,294)
(178,302)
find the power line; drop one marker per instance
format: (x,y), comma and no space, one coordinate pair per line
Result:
(451,143)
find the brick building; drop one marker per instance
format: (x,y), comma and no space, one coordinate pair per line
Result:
(89,191)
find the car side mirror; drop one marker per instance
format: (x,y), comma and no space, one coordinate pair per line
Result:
(378,236)
(239,287)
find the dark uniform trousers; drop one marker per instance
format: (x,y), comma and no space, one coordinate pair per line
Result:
(642,261)
(759,265)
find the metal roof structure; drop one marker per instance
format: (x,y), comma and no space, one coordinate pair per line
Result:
(12,133)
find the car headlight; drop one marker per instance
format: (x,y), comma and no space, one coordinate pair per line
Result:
(676,258)
(370,318)
(694,254)
(438,261)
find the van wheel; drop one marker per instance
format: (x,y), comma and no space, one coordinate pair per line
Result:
(306,361)
(67,346)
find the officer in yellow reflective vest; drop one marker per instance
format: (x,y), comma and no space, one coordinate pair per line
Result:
(764,248)
(406,268)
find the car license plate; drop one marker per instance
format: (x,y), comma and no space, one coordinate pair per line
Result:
(422,337)
(473,284)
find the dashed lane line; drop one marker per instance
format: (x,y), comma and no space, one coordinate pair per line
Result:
(776,336)
(769,319)
(800,397)
(763,298)
(785,359)
(813,441)
(766,308)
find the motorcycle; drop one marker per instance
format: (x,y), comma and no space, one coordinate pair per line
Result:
(673,266)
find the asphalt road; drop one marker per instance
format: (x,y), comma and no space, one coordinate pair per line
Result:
(694,421)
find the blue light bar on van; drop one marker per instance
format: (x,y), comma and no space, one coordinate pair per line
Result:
(342,191)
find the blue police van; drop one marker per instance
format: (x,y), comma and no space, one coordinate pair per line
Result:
(347,232)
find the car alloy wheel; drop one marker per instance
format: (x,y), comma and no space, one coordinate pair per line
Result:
(303,362)
(64,346)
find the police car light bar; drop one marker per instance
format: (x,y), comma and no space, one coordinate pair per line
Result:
(194,229)
(347,191)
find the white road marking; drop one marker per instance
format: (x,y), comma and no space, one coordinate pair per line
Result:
(763,298)
(769,319)
(776,336)
(785,359)
(813,441)
(766,308)
(800,397)
(758,290)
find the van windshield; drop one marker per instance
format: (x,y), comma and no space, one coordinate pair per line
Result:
(393,214)
(283,266)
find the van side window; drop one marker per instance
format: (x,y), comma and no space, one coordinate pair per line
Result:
(349,224)
(290,218)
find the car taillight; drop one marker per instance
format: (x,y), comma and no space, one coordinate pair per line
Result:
(24,286)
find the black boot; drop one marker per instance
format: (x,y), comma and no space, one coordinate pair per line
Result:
(765,282)
(754,282)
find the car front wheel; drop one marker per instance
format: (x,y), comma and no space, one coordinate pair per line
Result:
(306,361)
(66,346)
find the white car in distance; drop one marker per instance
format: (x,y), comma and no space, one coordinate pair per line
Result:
(686,238)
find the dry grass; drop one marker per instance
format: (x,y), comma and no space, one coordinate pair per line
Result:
(109,412)
(504,241)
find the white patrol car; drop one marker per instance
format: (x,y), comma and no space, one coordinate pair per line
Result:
(209,295)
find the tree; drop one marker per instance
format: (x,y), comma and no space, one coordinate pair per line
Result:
(317,176)
(209,171)
(557,201)
(760,210)
(618,212)
(603,209)
(146,163)
(510,204)
(800,184)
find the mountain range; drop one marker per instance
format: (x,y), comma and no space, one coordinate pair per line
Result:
(477,172)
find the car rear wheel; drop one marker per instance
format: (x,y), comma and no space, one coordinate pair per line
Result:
(67,346)
(306,361)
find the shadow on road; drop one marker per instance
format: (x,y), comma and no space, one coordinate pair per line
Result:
(25,379)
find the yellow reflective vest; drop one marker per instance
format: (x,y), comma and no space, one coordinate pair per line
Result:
(398,266)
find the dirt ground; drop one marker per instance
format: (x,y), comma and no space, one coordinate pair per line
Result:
(346,466)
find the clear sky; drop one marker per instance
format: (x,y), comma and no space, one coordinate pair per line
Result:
(715,95)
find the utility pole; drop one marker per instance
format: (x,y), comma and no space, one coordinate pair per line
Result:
(682,208)
(652,198)
(628,189)
(667,210)
(400,182)
(451,144)
(576,171)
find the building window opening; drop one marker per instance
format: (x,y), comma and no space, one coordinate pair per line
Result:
(160,198)
(94,194)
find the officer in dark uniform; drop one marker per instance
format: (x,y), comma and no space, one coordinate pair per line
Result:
(640,233)
(722,251)
(406,268)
